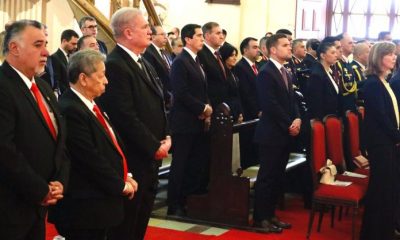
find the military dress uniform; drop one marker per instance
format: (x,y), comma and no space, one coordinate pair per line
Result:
(359,77)
(344,75)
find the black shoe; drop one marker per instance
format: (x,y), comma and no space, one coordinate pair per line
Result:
(280,224)
(176,212)
(267,226)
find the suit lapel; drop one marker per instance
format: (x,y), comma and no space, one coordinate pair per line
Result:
(76,100)
(8,70)
(248,68)
(195,66)
(136,69)
(279,77)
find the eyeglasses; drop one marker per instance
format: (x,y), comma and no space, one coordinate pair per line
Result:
(91,26)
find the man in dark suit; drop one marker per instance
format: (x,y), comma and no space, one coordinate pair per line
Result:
(98,177)
(263,58)
(88,26)
(246,71)
(158,57)
(33,162)
(210,59)
(311,55)
(359,65)
(135,104)
(278,125)
(189,116)
(69,44)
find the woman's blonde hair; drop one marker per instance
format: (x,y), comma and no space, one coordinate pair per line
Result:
(378,51)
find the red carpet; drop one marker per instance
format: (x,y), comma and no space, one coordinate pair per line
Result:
(294,214)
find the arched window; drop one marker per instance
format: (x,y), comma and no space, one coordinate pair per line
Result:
(364,18)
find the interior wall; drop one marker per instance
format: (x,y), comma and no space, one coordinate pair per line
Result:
(252,18)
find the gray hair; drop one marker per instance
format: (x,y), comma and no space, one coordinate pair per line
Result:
(360,48)
(83,61)
(83,20)
(14,31)
(378,51)
(121,18)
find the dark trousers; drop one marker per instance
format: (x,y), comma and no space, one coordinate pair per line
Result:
(138,210)
(82,234)
(248,149)
(270,180)
(33,231)
(189,168)
(381,200)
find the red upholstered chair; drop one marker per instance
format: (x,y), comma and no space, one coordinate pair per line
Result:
(352,133)
(328,195)
(334,148)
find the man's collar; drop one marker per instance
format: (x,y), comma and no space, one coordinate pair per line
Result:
(133,55)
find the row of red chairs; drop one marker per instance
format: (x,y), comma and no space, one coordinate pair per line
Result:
(327,143)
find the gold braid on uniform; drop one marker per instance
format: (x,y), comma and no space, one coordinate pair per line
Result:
(353,88)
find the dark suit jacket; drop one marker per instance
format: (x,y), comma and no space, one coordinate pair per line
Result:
(94,197)
(30,157)
(322,98)
(278,105)
(153,57)
(380,127)
(189,88)
(218,87)
(60,69)
(309,61)
(247,89)
(102,47)
(135,107)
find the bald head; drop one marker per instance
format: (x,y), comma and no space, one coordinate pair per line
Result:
(361,52)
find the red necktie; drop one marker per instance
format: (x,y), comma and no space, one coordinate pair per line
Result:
(254,69)
(218,56)
(43,109)
(102,121)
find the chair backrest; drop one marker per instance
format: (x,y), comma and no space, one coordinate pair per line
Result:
(318,149)
(334,142)
(353,134)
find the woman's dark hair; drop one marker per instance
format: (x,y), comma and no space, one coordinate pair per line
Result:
(323,47)
(226,51)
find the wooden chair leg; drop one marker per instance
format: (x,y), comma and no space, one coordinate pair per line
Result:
(311,220)
(333,216)
(321,216)
(340,213)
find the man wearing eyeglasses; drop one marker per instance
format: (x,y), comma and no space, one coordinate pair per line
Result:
(160,59)
(88,26)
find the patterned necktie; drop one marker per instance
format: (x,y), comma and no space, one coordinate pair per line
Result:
(254,67)
(43,110)
(199,65)
(218,56)
(102,121)
(165,58)
(284,76)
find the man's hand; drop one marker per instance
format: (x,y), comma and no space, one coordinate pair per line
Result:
(130,188)
(55,193)
(162,151)
(294,128)
(206,113)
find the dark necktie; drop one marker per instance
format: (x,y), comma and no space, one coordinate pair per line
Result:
(165,58)
(284,76)
(146,71)
(199,65)
(218,56)
(102,121)
(43,110)
(254,67)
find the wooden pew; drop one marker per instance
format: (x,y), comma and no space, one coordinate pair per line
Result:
(228,199)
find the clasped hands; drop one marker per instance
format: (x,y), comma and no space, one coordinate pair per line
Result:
(56,190)
(294,128)
(162,151)
(131,186)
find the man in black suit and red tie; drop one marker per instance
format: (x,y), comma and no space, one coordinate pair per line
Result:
(190,116)
(99,177)
(279,124)
(33,163)
(158,57)
(246,71)
(135,103)
(210,59)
